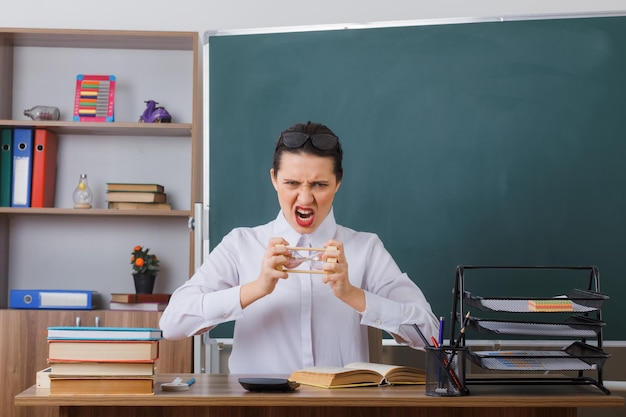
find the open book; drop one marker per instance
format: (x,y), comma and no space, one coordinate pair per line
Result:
(358,374)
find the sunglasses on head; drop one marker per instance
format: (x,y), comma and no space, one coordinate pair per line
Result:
(322,141)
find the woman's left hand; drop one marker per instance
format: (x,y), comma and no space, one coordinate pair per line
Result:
(336,276)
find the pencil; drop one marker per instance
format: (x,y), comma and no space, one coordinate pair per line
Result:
(421,335)
(462,331)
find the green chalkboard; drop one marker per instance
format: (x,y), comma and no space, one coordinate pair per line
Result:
(484,143)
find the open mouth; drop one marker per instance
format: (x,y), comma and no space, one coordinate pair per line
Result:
(304,217)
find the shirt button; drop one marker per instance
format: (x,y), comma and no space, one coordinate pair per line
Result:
(378,322)
(225,316)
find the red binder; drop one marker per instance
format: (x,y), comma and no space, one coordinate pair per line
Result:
(44,168)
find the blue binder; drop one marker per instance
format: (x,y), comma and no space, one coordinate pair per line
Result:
(52,299)
(22,167)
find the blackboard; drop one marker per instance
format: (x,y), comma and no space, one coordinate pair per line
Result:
(477,143)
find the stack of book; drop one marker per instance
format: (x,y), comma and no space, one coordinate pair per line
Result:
(139,302)
(102,360)
(135,196)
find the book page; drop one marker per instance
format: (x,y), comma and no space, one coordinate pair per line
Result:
(324,370)
(381,368)
(331,376)
(392,374)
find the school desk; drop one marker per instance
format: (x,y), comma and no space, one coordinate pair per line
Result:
(222,395)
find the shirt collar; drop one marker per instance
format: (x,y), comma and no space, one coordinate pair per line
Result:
(321,235)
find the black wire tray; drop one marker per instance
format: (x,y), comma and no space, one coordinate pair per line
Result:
(576,357)
(575,326)
(576,301)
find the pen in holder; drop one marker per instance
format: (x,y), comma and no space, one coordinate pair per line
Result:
(445,371)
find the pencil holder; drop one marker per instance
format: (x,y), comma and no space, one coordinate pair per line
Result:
(445,371)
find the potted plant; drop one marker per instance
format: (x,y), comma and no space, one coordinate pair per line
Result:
(145,267)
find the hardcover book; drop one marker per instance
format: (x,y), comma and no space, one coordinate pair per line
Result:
(129,205)
(137,306)
(358,374)
(101,385)
(71,368)
(103,350)
(104,333)
(140,298)
(136,197)
(123,186)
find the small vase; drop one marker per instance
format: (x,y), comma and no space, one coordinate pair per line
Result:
(82,195)
(144,283)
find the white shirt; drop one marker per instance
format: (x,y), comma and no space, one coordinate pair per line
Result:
(301,323)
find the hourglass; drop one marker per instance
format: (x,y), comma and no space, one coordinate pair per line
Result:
(312,259)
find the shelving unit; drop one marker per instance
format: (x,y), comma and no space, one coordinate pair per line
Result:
(39,66)
(572,316)
(65,248)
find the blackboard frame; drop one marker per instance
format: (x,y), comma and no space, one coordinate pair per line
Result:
(240,127)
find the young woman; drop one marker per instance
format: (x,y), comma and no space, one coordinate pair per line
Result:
(291,320)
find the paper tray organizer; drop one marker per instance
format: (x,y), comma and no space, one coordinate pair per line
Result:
(583,323)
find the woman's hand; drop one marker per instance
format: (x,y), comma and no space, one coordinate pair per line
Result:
(276,256)
(336,268)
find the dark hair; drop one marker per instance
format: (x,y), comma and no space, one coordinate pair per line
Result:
(335,153)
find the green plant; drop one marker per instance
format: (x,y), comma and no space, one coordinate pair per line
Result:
(144,262)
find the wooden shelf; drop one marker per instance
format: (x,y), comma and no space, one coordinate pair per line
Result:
(104,129)
(95,39)
(92,212)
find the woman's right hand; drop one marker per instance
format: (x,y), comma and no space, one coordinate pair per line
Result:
(276,256)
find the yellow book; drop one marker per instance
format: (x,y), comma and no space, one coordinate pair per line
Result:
(101,385)
(129,205)
(357,374)
(135,197)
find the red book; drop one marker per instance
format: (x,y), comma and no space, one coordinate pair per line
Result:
(44,168)
(140,298)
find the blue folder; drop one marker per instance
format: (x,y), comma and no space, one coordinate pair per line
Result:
(22,167)
(52,299)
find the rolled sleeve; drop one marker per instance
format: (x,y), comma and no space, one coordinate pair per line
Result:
(381,314)
(228,308)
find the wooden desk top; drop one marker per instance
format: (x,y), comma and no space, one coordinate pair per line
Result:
(225,390)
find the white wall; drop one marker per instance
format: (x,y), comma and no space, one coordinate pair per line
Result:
(202,15)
